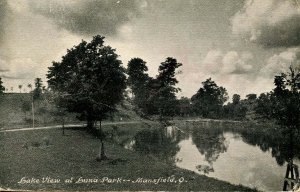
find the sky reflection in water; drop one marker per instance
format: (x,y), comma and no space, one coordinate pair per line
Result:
(237,158)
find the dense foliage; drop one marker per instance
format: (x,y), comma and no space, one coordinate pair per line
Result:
(154,96)
(283,103)
(209,99)
(90,80)
(163,90)
(138,80)
(237,109)
(37,92)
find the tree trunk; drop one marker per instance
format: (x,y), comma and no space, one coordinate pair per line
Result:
(102,151)
(32,113)
(291,142)
(44,117)
(63,125)
(102,155)
(90,124)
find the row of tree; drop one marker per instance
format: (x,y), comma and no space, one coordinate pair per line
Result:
(283,103)
(90,80)
(154,96)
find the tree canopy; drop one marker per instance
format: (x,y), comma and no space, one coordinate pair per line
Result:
(137,81)
(283,103)
(37,92)
(236,99)
(235,110)
(162,90)
(90,78)
(251,96)
(209,99)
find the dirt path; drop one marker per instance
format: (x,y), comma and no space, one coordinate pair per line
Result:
(209,120)
(110,123)
(68,125)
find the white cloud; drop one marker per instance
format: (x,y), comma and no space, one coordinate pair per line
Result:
(20,68)
(279,63)
(230,61)
(32,42)
(34,39)
(27,66)
(213,61)
(232,70)
(243,84)
(227,63)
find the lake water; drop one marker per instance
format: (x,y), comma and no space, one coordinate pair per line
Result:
(237,157)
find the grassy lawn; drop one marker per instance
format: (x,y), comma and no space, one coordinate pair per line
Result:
(47,153)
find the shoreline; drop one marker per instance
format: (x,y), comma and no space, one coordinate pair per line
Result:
(121,162)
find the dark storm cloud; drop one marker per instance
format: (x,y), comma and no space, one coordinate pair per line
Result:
(284,34)
(88,17)
(270,23)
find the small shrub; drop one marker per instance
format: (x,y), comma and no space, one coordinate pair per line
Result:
(35,144)
(46,141)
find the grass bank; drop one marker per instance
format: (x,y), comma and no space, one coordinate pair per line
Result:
(41,155)
(16,112)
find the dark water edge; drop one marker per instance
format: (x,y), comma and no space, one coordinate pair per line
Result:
(251,155)
(74,155)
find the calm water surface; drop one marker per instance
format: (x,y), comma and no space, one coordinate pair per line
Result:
(241,163)
(239,158)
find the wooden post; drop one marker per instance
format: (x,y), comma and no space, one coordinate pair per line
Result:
(32,113)
(296,171)
(285,183)
(294,179)
(63,125)
(102,154)
(292,174)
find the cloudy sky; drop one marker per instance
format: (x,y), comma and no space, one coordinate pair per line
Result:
(241,44)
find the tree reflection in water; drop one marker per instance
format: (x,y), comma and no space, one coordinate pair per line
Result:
(278,141)
(160,142)
(210,142)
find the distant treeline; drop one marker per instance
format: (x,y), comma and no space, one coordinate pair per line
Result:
(91,81)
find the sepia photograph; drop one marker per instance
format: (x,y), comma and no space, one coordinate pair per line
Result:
(149,95)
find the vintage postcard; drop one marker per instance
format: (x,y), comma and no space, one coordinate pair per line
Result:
(149,95)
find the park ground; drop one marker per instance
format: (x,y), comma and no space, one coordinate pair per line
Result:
(47,153)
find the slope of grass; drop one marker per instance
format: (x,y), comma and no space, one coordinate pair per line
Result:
(47,153)
(14,115)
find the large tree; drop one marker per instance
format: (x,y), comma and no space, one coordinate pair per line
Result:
(209,99)
(162,90)
(283,105)
(37,92)
(236,98)
(137,81)
(286,99)
(91,80)
(235,110)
